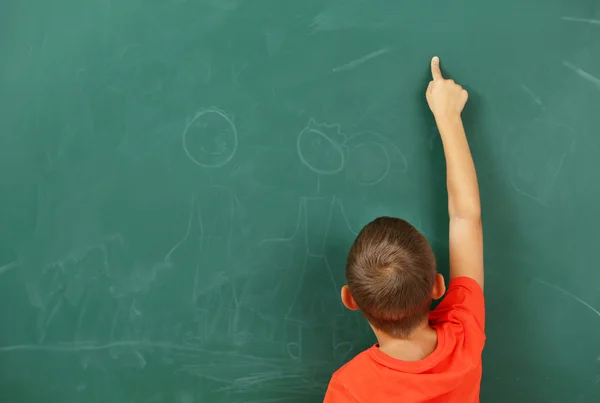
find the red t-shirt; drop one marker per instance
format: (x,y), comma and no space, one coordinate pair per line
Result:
(451,373)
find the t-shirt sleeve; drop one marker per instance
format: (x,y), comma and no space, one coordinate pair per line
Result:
(337,393)
(463,304)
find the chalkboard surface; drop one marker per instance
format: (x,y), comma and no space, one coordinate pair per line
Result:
(180,182)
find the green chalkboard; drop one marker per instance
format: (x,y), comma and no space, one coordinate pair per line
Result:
(180,181)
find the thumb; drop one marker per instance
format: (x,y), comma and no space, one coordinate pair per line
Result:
(435,68)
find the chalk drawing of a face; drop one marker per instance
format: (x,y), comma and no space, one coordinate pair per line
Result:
(210,139)
(325,150)
(320,149)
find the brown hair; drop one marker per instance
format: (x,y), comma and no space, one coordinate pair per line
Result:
(391,272)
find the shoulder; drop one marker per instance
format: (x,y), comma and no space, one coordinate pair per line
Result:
(459,286)
(462,305)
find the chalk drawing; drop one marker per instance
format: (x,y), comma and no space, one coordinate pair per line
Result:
(77,255)
(317,266)
(370,158)
(210,139)
(584,20)
(325,150)
(239,337)
(298,288)
(371,163)
(301,222)
(282,286)
(57,306)
(114,322)
(234,209)
(583,74)
(567,293)
(342,350)
(243,384)
(294,349)
(357,62)
(279,374)
(299,266)
(80,317)
(65,275)
(202,374)
(95,346)
(345,217)
(140,361)
(197,271)
(319,150)
(317,227)
(167,258)
(330,272)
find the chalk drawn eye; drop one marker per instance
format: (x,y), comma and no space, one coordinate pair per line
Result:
(210,139)
(319,151)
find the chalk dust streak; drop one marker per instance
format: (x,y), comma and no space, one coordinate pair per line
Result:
(363,59)
(93,346)
(585,20)
(583,74)
(567,293)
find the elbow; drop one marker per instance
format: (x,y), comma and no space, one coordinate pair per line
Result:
(470,213)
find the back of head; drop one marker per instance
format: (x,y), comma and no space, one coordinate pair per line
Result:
(391,273)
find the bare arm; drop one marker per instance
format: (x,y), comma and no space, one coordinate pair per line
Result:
(446,100)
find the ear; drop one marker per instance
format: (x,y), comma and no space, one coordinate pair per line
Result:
(348,299)
(439,287)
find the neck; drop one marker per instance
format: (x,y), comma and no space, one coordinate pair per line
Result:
(421,342)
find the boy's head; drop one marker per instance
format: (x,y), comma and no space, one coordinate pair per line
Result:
(392,277)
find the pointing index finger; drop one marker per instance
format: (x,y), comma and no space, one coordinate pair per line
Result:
(435,68)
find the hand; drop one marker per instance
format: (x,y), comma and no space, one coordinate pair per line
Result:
(446,99)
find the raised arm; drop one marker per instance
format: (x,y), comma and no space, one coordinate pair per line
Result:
(446,100)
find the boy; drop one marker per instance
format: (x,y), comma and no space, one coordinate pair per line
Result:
(421,356)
